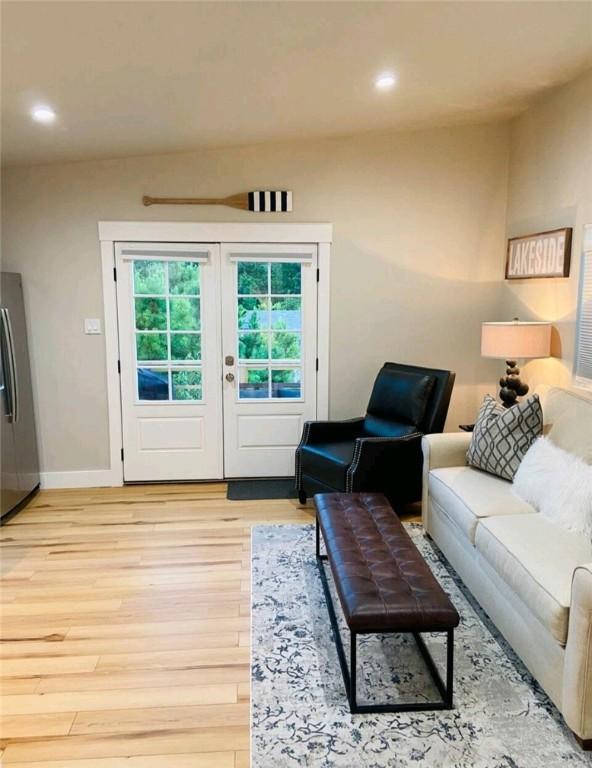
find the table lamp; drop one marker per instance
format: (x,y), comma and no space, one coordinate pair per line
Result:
(510,342)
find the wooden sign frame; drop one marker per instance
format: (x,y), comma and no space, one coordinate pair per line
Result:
(527,256)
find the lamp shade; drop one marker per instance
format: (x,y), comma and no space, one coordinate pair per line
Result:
(515,340)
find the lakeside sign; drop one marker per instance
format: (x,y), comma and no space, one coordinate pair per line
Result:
(546,254)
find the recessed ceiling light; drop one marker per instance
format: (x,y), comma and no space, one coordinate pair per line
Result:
(43,114)
(385,81)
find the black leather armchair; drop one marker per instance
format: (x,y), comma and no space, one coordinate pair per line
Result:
(382,450)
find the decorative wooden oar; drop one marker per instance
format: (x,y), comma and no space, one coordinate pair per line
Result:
(260,201)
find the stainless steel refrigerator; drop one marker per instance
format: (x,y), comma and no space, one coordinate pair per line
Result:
(20,462)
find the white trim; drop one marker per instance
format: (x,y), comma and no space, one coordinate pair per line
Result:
(161,249)
(214,232)
(111,358)
(272,251)
(202,257)
(323,330)
(188,232)
(146,251)
(587,246)
(89,478)
(302,258)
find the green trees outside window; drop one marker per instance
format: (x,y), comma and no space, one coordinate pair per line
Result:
(151,346)
(266,309)
(149,277)
(184,278)
(269,319)
(168,328)
(255,278)
(186,385)
(151,314)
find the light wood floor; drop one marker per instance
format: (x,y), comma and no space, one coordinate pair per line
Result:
(125,627)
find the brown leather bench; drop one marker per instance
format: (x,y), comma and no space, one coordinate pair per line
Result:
(384,586)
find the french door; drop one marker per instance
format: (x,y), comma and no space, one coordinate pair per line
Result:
(269,320)
(218,351)
(169,341)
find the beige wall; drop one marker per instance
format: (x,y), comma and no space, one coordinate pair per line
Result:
(419,222)
(550,186)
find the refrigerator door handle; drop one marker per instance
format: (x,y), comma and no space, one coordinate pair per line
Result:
(12,389)
(6,388)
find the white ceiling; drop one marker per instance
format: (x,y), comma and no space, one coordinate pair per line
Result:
(134,78)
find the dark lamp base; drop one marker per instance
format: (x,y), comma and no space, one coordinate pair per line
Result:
(511,386)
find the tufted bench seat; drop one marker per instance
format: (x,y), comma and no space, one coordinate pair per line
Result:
(383,583)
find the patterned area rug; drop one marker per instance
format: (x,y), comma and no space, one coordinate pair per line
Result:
(300,717)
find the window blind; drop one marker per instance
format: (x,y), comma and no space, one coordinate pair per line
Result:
(583,372)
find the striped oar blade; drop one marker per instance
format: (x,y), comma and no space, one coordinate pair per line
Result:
(269,200)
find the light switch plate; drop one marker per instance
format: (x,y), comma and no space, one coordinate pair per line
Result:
(92,325)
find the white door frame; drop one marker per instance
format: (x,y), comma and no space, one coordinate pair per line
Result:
(111,232)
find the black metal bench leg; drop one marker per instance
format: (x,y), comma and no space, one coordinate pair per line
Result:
(445,687)
(318,538)
(353,671)
(449,667)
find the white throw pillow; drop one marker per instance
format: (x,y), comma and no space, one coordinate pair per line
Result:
(558,484)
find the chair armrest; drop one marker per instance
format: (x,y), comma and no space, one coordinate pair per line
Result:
(448,449)
(577,677)
(327,431)
(381,462)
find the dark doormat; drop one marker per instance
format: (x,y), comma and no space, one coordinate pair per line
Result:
(273,488)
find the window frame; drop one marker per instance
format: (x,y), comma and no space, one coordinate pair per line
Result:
(583,340)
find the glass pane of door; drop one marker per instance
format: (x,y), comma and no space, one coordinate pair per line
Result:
(268,314)
(167,328)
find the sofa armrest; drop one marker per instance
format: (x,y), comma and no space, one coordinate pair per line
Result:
(577,678)
(447,449)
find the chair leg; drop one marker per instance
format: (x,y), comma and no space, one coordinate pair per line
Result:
(302,497)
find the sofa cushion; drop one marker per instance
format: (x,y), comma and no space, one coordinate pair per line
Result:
(468,495)
(536,559)
(328,462)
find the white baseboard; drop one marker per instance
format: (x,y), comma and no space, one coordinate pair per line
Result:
(91,478)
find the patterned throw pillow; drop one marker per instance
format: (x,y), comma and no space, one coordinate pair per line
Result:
(502,436)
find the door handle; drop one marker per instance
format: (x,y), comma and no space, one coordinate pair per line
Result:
(4,372)
(229,377)
(13,370)
(12,382)
(229,360)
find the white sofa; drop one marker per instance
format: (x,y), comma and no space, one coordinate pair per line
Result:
(533,578)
